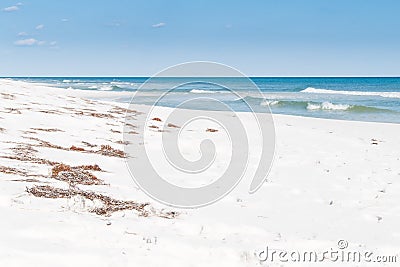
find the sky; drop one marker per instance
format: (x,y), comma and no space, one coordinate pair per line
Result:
(140,38)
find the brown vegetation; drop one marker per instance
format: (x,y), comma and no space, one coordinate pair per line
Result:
(110,205)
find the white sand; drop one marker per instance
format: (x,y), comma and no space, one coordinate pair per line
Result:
(328,182)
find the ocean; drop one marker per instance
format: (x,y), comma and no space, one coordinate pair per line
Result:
(363,99)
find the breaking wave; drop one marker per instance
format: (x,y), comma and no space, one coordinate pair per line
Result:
(360,93)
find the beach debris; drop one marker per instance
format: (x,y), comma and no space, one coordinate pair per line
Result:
(8,96)
(130,125)
(120,142)
(154,127)
(156,119)
(375,141)
(2,130)
(51,111)
(29,180)
(74,148)
(170,125)
(99,115)
(88,144)
(210,130)
(109,204)
(25,153)
(14,171)
(9,170)
(13,111)
(107,150)
(47,130)
(75,175)
(115,131)
(123,111)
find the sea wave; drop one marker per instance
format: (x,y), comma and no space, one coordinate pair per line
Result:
(269,103)
(327,106)
(360,93)
(199,91)
(110,88)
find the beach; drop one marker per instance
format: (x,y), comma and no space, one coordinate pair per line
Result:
(331,180)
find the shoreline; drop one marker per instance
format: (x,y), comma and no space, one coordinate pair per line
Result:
(103,96)
(328,175)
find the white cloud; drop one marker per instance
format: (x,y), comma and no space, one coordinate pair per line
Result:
(11,8)
(64,20)
(39,27)
(26,42)
(159,25)
(53,43)
(22,34)
(19,4)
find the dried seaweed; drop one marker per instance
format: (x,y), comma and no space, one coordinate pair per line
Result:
(47,130)
(123,111)
(74,148)
(172,125)
(110,205)
(107,150)
(75,175)
(13,111)
(9,170)
(88,144)
(8,96)
(25,153)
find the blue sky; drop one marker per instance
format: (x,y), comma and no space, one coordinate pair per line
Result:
(260,38)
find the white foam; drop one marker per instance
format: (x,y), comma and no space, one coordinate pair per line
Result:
(106,88)
(199,91)
(327,106)
(269,103)
(360,93)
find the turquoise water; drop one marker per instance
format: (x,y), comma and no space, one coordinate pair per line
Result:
(363,99)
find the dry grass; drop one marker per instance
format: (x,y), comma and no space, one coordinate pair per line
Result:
(156,119)
(210,130)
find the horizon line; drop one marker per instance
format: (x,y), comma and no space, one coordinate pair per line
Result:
(255,76)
